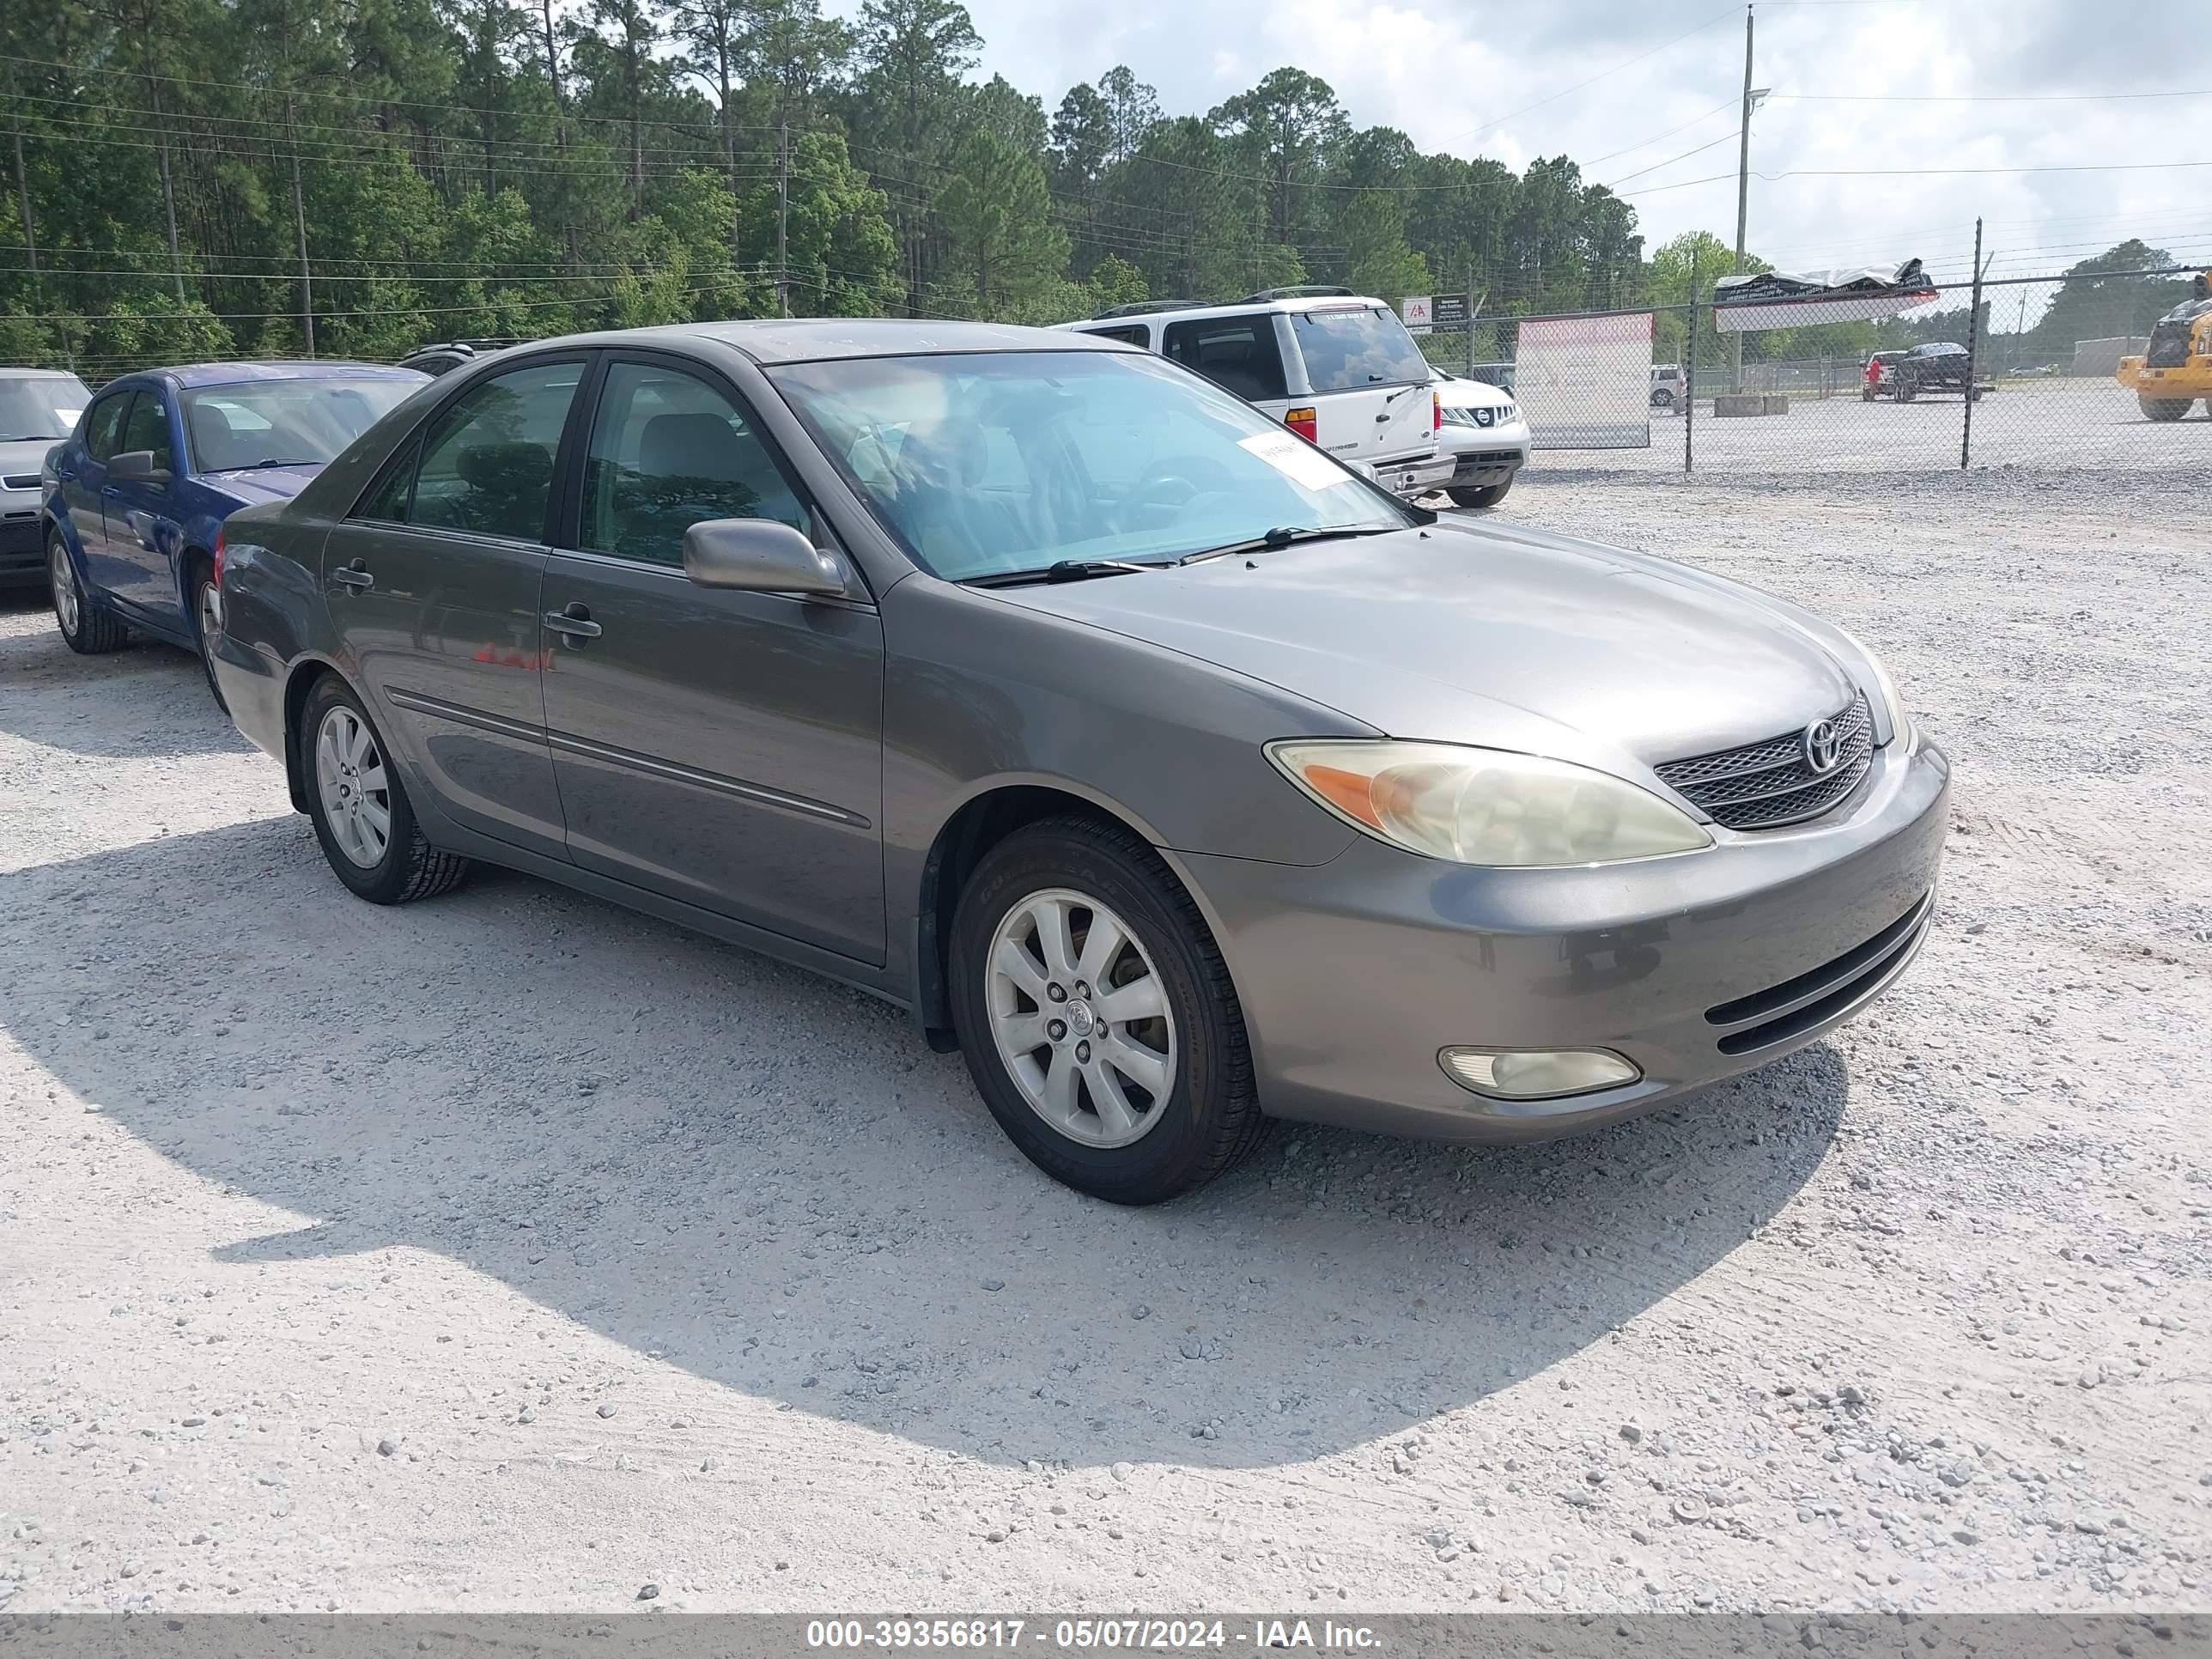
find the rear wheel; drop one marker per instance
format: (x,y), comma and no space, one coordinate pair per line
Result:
(207,619)
(1097,1017)
(85,627)
(360,808)
(2164,408)
(1479,495)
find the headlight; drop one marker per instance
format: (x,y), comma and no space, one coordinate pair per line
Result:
(1899,727)
(1486,806)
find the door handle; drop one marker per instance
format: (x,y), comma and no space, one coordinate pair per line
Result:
(353,575)
(575,622)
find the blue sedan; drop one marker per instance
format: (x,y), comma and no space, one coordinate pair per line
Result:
(136,497)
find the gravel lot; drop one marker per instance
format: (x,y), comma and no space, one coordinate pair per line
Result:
(514,1251)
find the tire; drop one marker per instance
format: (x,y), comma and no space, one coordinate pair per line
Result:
(1479,495)
(2164,408)
(406,867)
(206,601)
(85,628)
(1206,1117)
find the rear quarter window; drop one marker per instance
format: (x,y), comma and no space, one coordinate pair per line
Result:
(1237,354)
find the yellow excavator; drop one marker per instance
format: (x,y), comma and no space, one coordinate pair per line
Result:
(2176,369)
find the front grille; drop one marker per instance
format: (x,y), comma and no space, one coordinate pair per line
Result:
(1764,785)
(20,481)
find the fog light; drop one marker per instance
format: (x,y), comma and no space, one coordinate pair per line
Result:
(1537,1075)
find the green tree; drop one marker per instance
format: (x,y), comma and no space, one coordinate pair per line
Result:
(998,217)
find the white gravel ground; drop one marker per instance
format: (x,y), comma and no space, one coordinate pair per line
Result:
(513,1251)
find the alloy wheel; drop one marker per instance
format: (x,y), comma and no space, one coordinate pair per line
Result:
(1080,1019)
(68,607)
(355,794)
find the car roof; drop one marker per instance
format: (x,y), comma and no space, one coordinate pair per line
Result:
(816,339)
(12,373)
(321,368)
(1288,305)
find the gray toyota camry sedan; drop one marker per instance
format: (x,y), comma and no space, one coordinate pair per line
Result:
(1175,774)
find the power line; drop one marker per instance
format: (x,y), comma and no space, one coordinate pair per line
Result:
(1978,97)
(1626,62)
(1724,138)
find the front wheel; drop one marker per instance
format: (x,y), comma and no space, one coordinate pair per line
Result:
(2164,408)
(1479,495)
(207,617)
(85,628)
(1096,1015)
(360,808)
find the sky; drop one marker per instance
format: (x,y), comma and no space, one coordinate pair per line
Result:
(1644,93)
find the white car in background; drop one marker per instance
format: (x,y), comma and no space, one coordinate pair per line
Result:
(1483,431)
(1336,367)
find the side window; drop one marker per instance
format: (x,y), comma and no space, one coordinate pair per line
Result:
(667,450)
(147,426)
(488,464)
(1237,354)
(104,425)
(1136,335)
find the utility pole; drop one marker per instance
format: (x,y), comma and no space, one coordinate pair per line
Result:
(1742,197)
(300,225)
(782,218)
(1470,319)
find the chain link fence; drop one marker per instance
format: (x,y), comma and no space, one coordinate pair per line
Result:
(2110,370)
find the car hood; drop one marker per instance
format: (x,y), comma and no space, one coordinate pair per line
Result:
(1511,638)
(255,485)
(24,455)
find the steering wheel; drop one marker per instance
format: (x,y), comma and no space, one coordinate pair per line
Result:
(1172,482)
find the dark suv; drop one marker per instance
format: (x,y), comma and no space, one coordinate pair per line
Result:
(1939,365)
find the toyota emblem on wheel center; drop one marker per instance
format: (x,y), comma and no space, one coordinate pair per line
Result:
(1823,747)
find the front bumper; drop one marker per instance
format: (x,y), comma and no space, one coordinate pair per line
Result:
(22,541)
(1355,973)
(1481,456)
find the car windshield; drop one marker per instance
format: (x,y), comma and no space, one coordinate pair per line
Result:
(40,406)
(274,422)
(986,463)
(1346,347)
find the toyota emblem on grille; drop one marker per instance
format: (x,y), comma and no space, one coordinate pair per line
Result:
(1823,747)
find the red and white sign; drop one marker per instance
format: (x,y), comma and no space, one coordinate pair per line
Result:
(1418,312)
(1585,382)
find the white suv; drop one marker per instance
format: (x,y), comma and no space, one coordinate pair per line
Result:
(1335,367)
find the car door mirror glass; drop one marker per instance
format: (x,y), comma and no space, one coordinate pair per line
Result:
(137,465)
(759,555)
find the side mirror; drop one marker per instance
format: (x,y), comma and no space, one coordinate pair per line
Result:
(759,555)
(137,465)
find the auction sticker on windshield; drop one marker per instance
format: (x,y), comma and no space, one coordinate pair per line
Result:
(1295,459)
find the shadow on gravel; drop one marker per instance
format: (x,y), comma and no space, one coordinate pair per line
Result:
(55,698)
(771,1181)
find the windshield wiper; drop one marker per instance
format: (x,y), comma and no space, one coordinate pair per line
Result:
(278,460)
(1285,535)
(1064,571)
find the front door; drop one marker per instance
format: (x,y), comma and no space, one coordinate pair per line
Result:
(432,584)
(722,748)
(143,532)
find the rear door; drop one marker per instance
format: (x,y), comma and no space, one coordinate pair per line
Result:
(433,587)
(1366,380)
(721,748)
(143,531)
